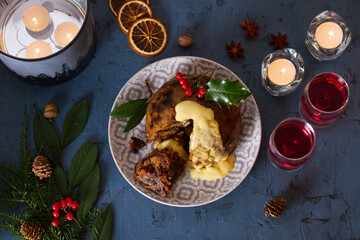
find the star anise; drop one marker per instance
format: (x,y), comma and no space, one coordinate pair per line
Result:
(250,27)
(235,51)
(136,144)
(279,41)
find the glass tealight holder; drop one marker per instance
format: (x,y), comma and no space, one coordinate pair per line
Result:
(282,71)
(327,36)
(29,46)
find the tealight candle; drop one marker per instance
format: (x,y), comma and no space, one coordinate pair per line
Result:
(36,18)
(65,33)
(329,35)
(38,49)
(281,71)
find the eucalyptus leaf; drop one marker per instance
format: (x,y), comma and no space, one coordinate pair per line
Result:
(135,119)
(60,181)
(226,91)
(45,138)
(82,163)
(74,122)
(89,191)
(128,109)
(102,230)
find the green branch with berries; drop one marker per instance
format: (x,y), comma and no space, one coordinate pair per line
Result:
(37,200)
(216,90)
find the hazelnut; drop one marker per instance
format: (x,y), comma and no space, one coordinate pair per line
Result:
(185,40)
(50,110)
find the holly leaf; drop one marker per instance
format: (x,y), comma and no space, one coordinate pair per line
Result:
(74,122)
(82,163)
(102,229)
(226,91)
(88,192)
(128,109)
(45,138)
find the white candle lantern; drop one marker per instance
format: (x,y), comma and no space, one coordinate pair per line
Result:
(31,48)
(327,36)
(282,71)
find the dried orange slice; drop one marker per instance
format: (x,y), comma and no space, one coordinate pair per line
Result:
(116,4)
(130,12)
(147,37)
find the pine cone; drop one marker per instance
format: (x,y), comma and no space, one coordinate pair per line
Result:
(31,230)
(275,207)
(41,167)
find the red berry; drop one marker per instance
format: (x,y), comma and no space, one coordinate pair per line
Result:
(68,203)
(68,199)
(202,91)
(56,214)
(185,85)
(179,76)
(55,222)
(62,203)
(56,206)
(75,205)
(69,216)
(189,92)
(199,95)
(182,81)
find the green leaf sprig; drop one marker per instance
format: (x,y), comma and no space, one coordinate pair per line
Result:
(24,197)
(134,110)
(226,91)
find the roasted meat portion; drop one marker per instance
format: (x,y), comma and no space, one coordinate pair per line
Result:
(159,171)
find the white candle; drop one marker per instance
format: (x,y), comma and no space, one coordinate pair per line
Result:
(281,71)
(329,35)
(36,18)
(38,49)
(65,33)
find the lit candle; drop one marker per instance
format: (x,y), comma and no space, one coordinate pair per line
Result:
(65,33)
(281,71)
(36,18)
(329,35)
(38,49)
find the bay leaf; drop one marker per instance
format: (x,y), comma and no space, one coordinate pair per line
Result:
(89,191)
(102,229)
(46,138)
(74,122)
(82,163)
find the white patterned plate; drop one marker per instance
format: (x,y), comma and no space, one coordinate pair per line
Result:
(186,192)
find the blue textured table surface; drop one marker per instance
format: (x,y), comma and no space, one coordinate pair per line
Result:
(323,197)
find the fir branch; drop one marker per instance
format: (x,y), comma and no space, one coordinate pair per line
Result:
(12,200)
(9,183)
(26,156)
(11,217)
(42,200)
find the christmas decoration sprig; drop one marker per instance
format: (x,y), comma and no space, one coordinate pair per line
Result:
(36,201)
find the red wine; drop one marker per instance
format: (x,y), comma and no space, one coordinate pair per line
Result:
(291,144)
(324,98)
(293,140)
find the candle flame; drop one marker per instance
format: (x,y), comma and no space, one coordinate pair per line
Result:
(34,20)
(69,36)
(331,33)
(283,70)
(37,51)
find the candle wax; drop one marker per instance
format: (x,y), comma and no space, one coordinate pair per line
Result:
(329,35)
(38,49)
(36,18)
(65,33)
(281,71)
